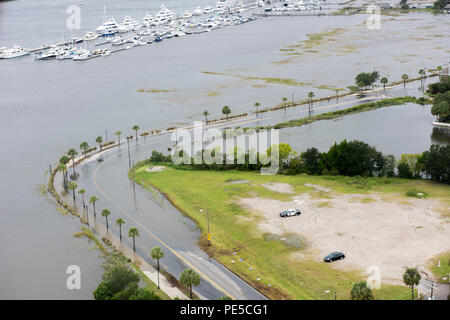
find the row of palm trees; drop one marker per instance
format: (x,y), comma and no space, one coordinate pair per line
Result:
(84,147)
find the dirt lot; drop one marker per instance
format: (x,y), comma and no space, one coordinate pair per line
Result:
(391,234)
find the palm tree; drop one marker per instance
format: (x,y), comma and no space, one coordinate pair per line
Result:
(133,233)
(384,80)
(411,277)
(106,213)
(439,69)
(136,128)
(337,94)
(82,192)
(206,114)
(226,111)
(284,103)
(99,140)
(93,200)
(257,104)
(422,74)
(73,186)
(64,160)
(63,168)
(157,254)
(120,222)
(118,133)
(360,291)
(404,78)
(189,278)
(311,96)
(72,153)
(84,146)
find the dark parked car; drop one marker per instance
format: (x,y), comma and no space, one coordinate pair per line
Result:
(334,256)
(290,213)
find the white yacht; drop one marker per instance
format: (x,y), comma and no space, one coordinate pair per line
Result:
(187,14)
(2,51)
(15,52)
(207,9)
(148,20)
(90,36)
(52,53)
(198,11)
(108,28)
(101,52)
(81,55)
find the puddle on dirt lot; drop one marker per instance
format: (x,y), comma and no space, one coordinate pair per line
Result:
(290,240)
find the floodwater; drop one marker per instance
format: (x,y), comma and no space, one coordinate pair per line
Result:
(47,107)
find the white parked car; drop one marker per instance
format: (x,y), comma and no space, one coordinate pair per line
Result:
(290,213)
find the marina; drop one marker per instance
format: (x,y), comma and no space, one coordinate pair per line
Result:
(166,24)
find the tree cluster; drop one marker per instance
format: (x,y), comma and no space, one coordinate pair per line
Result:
(121,283)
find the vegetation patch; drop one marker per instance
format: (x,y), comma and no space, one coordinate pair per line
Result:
(152,90)
(268,257)
(417,194)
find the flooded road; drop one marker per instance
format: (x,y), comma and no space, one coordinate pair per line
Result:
(48,107)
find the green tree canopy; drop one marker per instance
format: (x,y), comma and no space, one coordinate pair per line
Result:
(411,277)
(360,291)
(189,278)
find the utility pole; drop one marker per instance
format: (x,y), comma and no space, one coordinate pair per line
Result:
(106,135)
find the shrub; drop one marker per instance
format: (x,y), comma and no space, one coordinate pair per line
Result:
(404,171)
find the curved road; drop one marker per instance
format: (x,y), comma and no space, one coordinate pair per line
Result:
(161,224)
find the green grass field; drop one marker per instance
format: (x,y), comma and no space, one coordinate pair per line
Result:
(272,260)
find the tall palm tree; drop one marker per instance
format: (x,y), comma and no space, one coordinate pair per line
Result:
(84,146)
(360,291)
(384,80)
(189,278)
(439,69)
(106,213)
(82,192)
(63,168)
(120,222)
(422,74)
(136,128)
(284,103)
(64,160)
(411,277)
(133,233)
(337,94)
(72,153)
(206,114)
(257,104)
(404,78)
(118,133)
(93,200)
(311,96)
(99,140)
(73,186)
(226,111)
(157,254)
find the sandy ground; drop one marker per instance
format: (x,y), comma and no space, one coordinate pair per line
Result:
(390,235)
(155,169)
